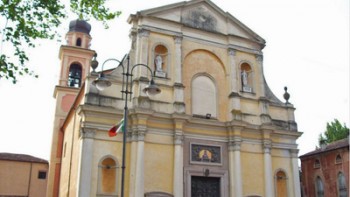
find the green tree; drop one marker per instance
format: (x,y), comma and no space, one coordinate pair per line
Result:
(334,131)
(22,22)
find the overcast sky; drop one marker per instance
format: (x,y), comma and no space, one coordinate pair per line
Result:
(307,49)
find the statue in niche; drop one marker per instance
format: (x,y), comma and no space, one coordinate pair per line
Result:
(159,62)
(244,75)
(244,78)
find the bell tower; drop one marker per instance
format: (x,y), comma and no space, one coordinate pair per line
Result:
(75,56)
(75,59)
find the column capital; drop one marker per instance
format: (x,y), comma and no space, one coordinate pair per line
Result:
(232,52)
(294,153)
(267,145)
(143,32)
(138,133)
(88,133)
(259,57)
(178,39)
(235,144)
(178,139)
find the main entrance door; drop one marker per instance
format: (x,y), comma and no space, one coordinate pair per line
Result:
(205,186)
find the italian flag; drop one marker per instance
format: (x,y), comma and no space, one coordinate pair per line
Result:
(117,128)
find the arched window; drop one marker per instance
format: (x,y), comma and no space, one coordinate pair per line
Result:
(108,177)
(317,163)
(204,100)
(342,191)
(281,184)
(319,187)
(74,76)
(246,78)
(338,159)
(78,42)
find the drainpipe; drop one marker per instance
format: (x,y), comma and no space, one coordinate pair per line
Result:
(30,177)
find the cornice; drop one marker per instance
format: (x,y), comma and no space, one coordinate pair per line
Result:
(76,49)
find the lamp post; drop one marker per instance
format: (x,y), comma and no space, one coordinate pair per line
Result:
(101,83)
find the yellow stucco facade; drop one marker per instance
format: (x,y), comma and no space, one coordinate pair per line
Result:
(22,175)
(216,127)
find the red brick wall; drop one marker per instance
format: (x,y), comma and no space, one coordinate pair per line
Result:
(328,171)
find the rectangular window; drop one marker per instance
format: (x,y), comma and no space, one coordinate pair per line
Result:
(42,175)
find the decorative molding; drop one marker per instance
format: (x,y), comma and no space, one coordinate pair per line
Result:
(179,85)
(179,107)
(143,32)
(235,144)
(138,134)
(158,194)
(259,58)
(88,133)
(178,139)
(294,153)
(178,39)
(233,95)
(231,52)
(267,146)
(200,172)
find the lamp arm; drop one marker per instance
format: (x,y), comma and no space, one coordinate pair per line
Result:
(112,59)
(144,65)
(132,69)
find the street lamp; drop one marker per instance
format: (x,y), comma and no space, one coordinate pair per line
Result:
(101,83)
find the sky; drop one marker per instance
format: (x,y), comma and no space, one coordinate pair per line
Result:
(307,50)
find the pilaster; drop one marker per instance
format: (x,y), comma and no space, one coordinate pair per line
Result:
(142,51)
(269,191)
(85,176)
(259,59)
(235,105)
(139,178)
(295,167)
(178,158)
(235,167)
(233,67)
(178,57)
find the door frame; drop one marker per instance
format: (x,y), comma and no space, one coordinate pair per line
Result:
(202,171)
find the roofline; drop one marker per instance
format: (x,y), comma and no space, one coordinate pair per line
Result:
(256,38)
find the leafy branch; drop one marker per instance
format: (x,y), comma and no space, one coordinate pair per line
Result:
(29,20)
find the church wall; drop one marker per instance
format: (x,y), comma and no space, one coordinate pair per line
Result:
(252,172)
(283,163)
(70,157)
(250,109)
(158,166)
(106,146)
(278,113)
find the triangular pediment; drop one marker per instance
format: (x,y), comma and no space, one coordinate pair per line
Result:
(203,15)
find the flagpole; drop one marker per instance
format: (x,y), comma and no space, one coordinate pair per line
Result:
(101,83)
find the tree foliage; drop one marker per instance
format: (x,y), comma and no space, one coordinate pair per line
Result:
(22,22)
(334,131)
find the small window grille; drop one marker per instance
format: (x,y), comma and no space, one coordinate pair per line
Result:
(317,164)
(42,175)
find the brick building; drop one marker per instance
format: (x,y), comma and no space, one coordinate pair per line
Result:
(325,171)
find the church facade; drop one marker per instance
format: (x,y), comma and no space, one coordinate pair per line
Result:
(216,129)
